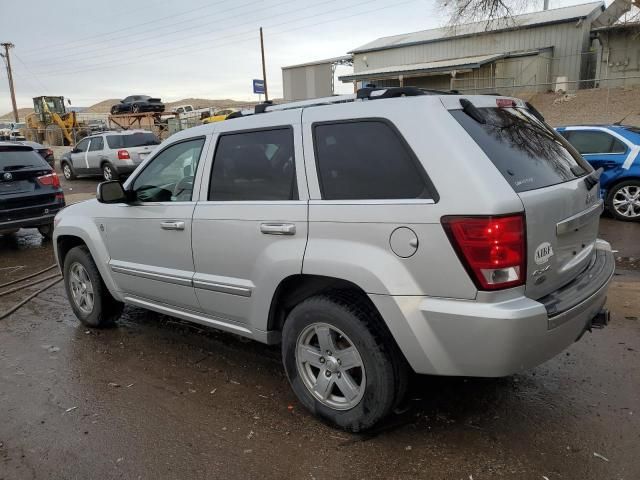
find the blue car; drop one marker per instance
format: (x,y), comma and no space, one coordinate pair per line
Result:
(615,148)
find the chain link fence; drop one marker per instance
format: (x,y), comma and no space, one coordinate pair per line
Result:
(162,125)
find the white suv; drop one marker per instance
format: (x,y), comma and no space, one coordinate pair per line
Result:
(369,234)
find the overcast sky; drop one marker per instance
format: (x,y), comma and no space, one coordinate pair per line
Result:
(90,51)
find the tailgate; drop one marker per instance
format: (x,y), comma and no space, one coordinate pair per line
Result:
(562,227)
(556,185)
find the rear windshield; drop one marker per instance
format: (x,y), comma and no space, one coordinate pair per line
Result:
(133,140)
(17,158)
(528,153)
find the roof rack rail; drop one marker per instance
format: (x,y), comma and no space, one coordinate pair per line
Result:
(371,93)
(262,107)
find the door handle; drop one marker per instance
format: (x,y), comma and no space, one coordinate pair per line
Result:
(172,225)
(278,228)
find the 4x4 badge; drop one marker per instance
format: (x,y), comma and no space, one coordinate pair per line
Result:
(543,253)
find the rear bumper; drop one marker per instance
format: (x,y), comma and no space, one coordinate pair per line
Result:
(492,339)
(28,222)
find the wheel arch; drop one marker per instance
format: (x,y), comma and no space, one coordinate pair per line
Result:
(67,237)
(296,288)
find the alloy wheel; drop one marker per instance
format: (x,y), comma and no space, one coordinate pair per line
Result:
(107,173)
(66,171)
(330,366)
(626,201)
(81,288)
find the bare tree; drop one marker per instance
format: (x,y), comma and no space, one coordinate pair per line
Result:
(492,11)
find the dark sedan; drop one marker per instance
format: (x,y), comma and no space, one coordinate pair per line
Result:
(45,152)
(138,104)
(30,192)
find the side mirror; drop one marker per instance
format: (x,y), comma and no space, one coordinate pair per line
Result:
(111,192)
(75,150)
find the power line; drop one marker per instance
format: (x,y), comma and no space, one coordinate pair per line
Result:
(31,73)
(189,30)
(180,49)
(128,28)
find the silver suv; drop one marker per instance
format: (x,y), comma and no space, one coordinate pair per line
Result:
(110,154)
(370,235)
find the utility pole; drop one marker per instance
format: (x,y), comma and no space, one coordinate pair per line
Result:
(264,68)
(7,46)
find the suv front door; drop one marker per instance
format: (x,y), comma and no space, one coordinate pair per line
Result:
(94,155)
(250,227)
(149,241)
(79,156)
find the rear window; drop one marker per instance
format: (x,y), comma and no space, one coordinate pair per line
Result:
(528,153)
(133,140)
(16,158)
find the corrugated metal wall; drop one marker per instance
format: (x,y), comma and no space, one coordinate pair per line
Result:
(569,41)
(619,58)
(311,81)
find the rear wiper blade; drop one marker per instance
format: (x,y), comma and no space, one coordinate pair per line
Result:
(592,179)
(473,111)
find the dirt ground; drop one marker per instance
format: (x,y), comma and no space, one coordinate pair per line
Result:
(156,398)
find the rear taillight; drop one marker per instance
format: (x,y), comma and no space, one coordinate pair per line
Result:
(48,152)
(50,180)
(492,249)
(123,155)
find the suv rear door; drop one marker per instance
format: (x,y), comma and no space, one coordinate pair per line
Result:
(250,226)
(562,208)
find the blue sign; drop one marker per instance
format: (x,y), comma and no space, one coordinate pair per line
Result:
(258,86)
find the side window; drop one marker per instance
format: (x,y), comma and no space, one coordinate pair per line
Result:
(257,165)
(97,144)
(595,141)
(617,146)
(169,176)
(81,147)
(366,160)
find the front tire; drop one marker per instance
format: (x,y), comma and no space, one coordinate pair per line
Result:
(135,108)
(623,201)
(89,297)
(340,361)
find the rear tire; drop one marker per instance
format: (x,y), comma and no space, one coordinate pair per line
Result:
(67,171)
(46,231)
(376,386)
(109,173)
(89,297)
(623,201)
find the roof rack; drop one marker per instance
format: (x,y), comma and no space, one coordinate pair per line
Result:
(366,93)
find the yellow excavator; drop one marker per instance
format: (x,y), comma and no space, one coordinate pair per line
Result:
(50,122)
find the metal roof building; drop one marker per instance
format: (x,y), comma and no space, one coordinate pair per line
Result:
(536,51)
(312,79)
